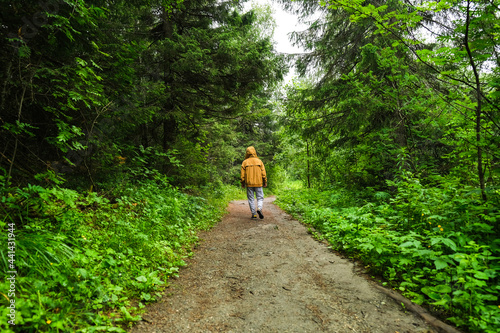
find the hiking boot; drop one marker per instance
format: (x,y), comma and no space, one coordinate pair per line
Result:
(254,217)
(260,214)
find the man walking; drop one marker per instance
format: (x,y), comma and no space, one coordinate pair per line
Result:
(253,176)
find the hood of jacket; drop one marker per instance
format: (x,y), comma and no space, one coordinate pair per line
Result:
(250,152)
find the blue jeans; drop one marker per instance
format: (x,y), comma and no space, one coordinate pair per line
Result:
(251,191)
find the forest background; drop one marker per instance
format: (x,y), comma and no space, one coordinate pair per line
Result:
(123,126)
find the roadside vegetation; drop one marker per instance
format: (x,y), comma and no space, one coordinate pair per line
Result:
(438,247)
(91,262)
(393,131)
(123,126)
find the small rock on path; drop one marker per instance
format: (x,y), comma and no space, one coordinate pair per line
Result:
(270,275)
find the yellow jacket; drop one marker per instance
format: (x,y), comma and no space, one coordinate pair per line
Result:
(253,172)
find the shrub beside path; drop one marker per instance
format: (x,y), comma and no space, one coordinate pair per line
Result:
(270,275)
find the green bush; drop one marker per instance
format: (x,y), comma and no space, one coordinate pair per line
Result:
(436,245)
(86,262)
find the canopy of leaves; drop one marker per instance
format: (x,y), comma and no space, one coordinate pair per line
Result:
(88,81)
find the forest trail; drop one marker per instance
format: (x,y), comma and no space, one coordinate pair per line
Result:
(270,275)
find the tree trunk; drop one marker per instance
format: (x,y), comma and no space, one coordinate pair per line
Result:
(308,168)
(17,136)
(169,123)
(480,170)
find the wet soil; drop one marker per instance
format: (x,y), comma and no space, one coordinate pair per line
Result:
(270,275)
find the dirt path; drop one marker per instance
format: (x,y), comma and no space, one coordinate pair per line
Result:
(270,275)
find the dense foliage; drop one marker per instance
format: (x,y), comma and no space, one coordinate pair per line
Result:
(432,102)
(398,108)
(431,245)
(123,122)
(121,125)
(87,83)
(86,263)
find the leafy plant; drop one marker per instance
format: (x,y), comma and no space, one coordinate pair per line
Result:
(415,242)
(83,260)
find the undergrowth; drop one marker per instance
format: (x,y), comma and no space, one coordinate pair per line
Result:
(438,246)
(89,262)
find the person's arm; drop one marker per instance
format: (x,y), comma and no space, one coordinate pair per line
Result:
(242,175)
(264,175)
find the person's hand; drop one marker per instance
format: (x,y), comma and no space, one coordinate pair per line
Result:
(242,185)
(265,184)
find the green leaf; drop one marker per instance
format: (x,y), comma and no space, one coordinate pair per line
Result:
(145,296)
(441,302)
(451,244)
(481,275)
(442,289)
(432,294)
(83,272)
(440,264)
(92,253)
(405,261)
(141,278)
(414,243)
